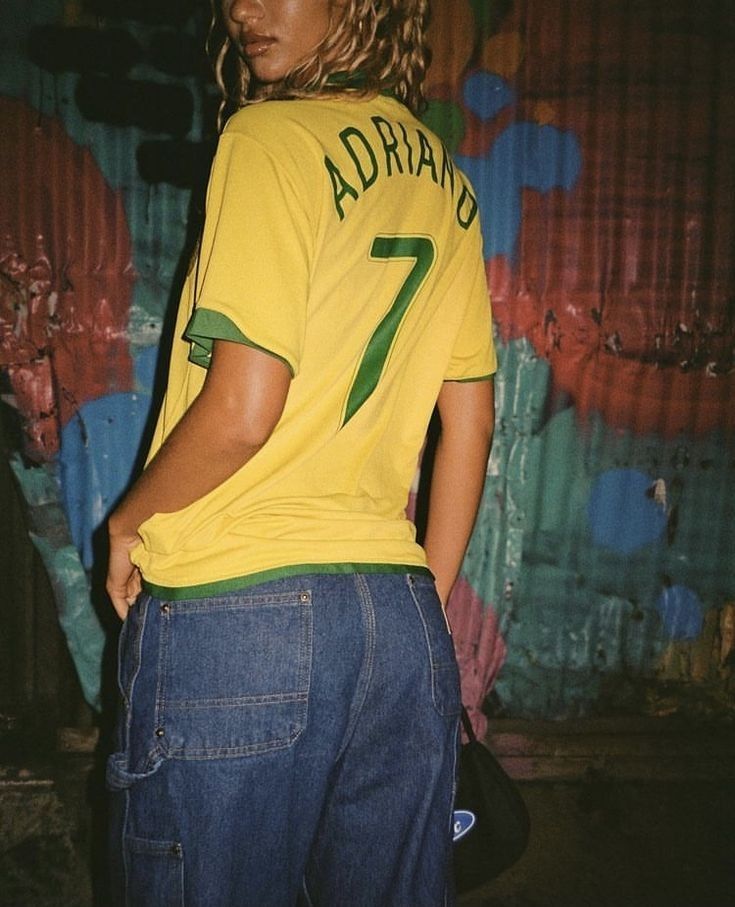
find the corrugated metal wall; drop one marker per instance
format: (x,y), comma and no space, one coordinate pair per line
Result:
(599,137)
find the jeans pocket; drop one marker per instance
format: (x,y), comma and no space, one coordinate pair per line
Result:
(154,872)
(445,689)
(235,674)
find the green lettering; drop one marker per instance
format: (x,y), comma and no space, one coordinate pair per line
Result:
(447,168)
(427,156)
(465,218)
(408,147)
(390,147)
(346,135)
(340,186)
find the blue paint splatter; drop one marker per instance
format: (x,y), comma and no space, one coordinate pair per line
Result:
(622,512)
(486,94)
(681,613)
(144,362)
(525,155)
(98,450)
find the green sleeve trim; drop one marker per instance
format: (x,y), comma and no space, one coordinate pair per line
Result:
(205,326)
(471,380)
(222,587)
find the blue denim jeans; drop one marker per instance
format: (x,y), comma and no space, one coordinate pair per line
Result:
(294,743)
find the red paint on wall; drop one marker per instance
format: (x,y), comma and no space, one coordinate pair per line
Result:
(65,276)
(626,283)
(480,648)
(452,39)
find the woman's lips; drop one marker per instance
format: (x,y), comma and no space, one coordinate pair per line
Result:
(256,45)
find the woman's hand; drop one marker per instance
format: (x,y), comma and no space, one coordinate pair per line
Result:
(123,577)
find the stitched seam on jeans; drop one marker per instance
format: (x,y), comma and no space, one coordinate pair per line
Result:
(164,645)
(138,654)
(123,851)
(435,661)
(305,892)
(247,749)
(123,634)
(448,900)
(237,701)
(432,665)
(154,847)
(138,664)
(367,610)
(238,602)
(306,655)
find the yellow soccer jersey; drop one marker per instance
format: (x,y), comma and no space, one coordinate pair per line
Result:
(339,237)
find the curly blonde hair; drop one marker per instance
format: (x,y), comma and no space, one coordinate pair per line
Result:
(370,46)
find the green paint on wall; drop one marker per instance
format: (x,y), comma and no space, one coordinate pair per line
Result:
(489,14)
(571,612)
(446,119)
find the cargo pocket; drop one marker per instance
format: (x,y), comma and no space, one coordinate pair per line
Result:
(235,673)
(445,689)
(154,872)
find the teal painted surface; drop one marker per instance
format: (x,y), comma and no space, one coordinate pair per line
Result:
(69,581)
(573,612)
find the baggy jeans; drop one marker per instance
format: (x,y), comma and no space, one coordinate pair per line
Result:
(293,743)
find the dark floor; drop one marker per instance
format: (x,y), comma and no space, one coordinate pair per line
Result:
(623,844)
(597,843)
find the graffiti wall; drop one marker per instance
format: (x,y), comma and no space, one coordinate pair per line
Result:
(599,138)
(102,143)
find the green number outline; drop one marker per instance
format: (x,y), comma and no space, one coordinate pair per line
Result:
(423,252)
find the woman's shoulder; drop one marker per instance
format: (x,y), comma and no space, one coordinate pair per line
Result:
(269,121)
(281,131)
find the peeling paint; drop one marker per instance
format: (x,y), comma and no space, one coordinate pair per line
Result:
(66,281)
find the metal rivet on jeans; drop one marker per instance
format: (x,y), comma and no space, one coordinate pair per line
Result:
(304,597)
(176,850)
(165,608)
(160,732)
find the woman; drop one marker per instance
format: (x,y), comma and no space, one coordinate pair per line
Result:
(290,692)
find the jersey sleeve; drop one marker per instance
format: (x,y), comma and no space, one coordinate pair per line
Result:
(473,354)
(252,280)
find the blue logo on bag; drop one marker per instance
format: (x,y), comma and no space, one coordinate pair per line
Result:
(464,821)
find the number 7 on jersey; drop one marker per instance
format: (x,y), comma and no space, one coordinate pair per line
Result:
(421,250)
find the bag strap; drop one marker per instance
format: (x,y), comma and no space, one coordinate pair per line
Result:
(467,725)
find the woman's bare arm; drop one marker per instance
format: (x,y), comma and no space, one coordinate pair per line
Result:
(467,414)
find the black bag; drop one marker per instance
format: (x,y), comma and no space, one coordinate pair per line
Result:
(499,833)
